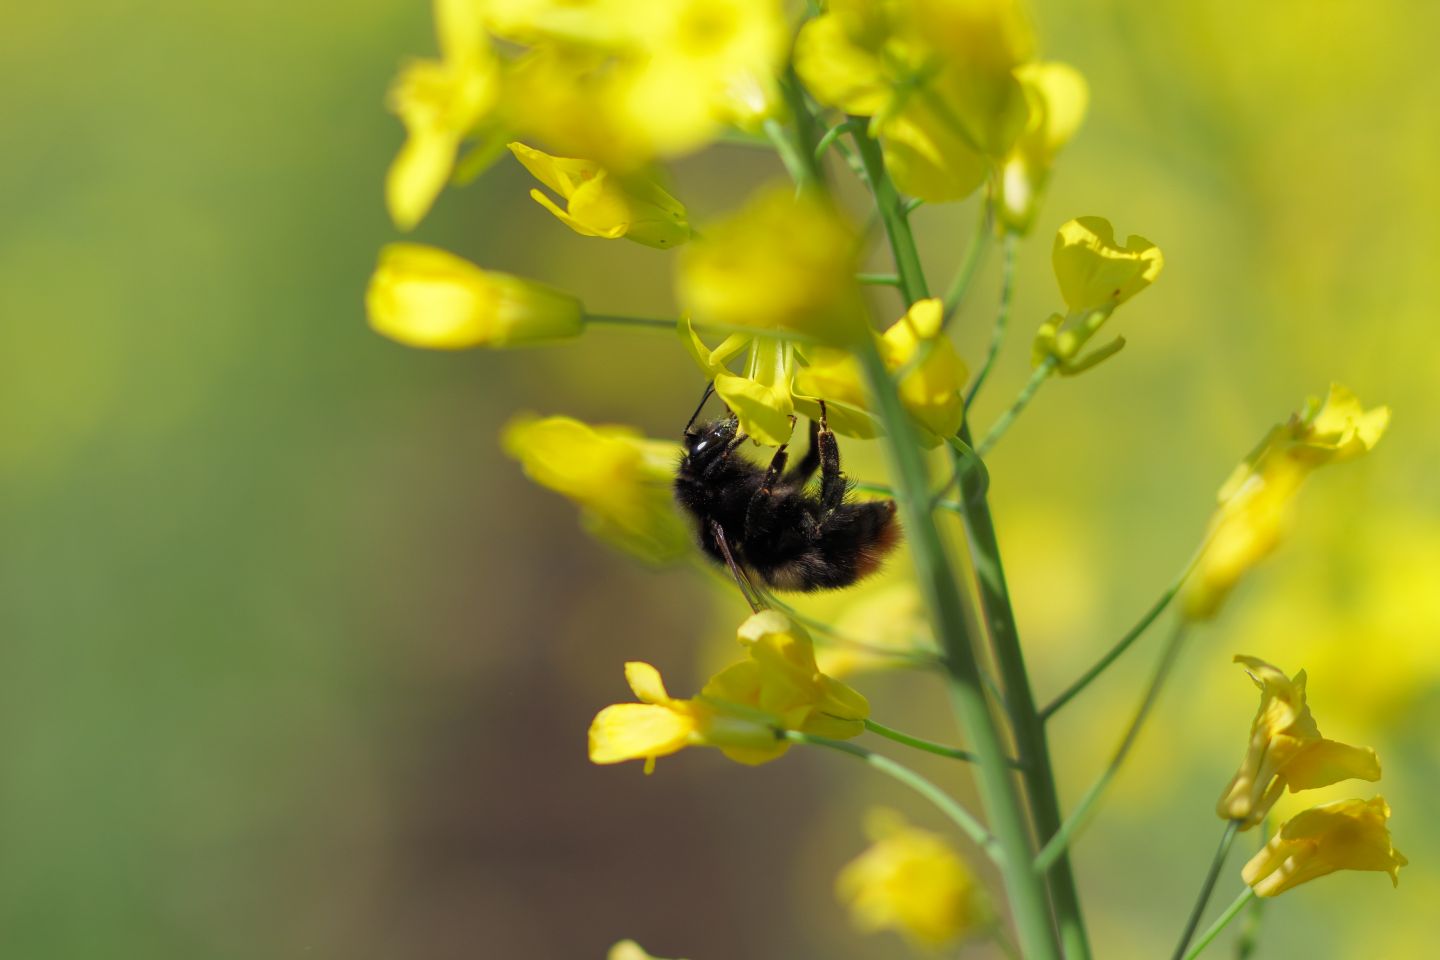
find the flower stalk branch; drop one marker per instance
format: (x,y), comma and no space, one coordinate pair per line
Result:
(958,815)
(1207,887)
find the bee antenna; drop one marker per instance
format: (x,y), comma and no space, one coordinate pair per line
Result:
(709,389)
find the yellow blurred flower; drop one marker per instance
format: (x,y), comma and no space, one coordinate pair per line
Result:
(931,391)
(741,711)
(1344,835)
(424,297)
(620,479)
(599,204)
(938,80)
(1286,750)
(440,102)
(1256,500)
(1096,275)
(781,264)
(910,880)
(881,630)
(629,950)
(624,82)
(709,62)
(1056,97)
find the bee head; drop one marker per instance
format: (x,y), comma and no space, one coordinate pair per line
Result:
(708,439)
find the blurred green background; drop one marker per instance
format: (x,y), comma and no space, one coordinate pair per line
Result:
(294,663)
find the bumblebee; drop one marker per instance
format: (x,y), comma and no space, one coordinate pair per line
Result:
(762,521)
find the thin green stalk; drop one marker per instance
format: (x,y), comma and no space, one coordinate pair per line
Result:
(1062,839)
(1115,652)
(895,217)
(832,135)
(1249,937)
(970,264)
(929,746)
(800,167)
(1029,731)
(1022,400)
(956,626)
(877,279)
(615,320)
(1206,888)
(1220,924)
(1002,315)
(961,817)
(916,658)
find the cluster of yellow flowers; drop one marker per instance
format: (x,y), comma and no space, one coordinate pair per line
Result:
(941,99)
(1286,751)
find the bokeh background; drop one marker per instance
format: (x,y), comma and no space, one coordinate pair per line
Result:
(293,662)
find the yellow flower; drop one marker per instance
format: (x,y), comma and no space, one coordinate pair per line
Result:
(1096,275)
(910,880)
(628,950)
(761,399)
(620,480)
(742,710)
(425,297)
(1256,500)
(931,391)
(440,102)
(781,264)
(623,83)
(1286,750)
(709,62)
(1344,835)
(599,204)
(937,78)
(1056,96)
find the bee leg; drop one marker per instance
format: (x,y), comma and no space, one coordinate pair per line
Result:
(801,473)
(747,589)
(832,481)
(759,512)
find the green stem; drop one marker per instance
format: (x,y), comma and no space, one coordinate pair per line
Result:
(1206,888)
(801,167)
(929,746)
(1115,652)
(1220,924)
(614,320)
(1062,839)
(956,626)
(1249,937)
(974,254)
(1029,731)
(895,217)
(877,279)
(1022,400)
(955,620)
(961,817)
(1002,315)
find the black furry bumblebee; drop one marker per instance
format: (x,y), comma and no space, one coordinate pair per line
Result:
(762,521)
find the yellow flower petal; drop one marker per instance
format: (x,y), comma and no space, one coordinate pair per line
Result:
(645,682)
(638,731)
